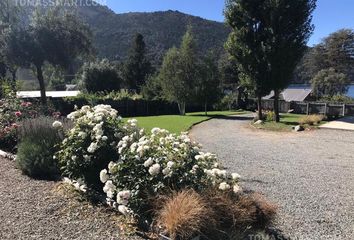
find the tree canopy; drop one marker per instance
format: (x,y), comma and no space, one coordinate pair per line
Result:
(137,67)
(329,82)
(179,72)
(53,37)
(335,51)
(268,39)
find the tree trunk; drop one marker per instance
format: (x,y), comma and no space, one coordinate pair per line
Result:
(206,108)
(13,82)
(276,106)
(182,108)
(41,84)
(259,103)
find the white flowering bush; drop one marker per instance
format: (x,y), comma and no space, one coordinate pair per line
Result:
(91,144)
(155,164)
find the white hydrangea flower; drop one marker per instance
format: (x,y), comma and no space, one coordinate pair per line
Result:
(237,188)
(93,147)
(104,138)
(154,169)
(224,186)
(123,197)
(148,162)
(123,210)
(235,176)
(109,186)
(111,166)
(155,131)
(104,176)
(57,125)
(82,135)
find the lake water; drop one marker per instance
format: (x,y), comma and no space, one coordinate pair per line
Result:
(351,91)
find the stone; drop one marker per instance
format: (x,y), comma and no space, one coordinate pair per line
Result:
(258,122)
(298,128)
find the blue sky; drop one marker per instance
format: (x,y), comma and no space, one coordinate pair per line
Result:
(329,16)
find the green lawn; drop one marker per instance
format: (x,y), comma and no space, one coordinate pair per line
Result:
(287,121)
(177,124)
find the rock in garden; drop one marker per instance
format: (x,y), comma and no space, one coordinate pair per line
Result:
(298,128)
(258,122)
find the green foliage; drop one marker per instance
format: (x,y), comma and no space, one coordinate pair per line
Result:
(179,72)
(269,116)
(100,76)
(335,51)
(39,140)
(329,82)
(227,102)
(336,99)
(208,89)
(138,67)
(52,37)
(268,39)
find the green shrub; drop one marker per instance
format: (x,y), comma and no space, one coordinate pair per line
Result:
(269,116)
(311,119)
(91,144)
(100,76)
(39,139)
(152,164)
(337,99)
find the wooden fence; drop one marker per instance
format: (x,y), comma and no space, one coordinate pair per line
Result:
(327,109)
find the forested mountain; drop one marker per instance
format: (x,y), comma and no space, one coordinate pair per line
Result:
(114,33)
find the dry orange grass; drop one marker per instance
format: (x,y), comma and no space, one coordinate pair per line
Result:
(240,211)
(311,119)
(184,214)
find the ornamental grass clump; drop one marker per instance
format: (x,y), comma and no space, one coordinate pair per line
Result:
(155,164)
(311,119)
(183,215)
(91,144)
(39,139)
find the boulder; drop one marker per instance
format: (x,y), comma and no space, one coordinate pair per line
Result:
(258,122)
(298,128)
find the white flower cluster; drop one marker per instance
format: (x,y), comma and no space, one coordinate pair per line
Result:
(94,128)
(76,184)
(57,125)
(157,162)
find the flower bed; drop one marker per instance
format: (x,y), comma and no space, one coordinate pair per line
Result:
(133,169)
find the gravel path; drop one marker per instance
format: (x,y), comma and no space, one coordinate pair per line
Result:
(31,209)
(310,175)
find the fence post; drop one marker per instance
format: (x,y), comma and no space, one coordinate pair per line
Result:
(325,109)
(343,110)
(307,108)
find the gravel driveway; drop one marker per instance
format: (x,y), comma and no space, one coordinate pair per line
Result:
(31,209)
(310,175)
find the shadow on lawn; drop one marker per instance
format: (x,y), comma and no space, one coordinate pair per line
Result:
(227,117)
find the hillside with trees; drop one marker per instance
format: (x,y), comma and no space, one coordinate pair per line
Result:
(114,33)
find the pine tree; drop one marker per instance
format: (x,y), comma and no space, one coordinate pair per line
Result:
(138,67)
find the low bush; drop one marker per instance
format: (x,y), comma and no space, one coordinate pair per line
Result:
(311,119)
(91,144)
(100,76)
(337,99)
(155,164)
(269,116)
(39,139)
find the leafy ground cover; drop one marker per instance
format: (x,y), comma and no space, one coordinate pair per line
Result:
(177,123)
(287,122)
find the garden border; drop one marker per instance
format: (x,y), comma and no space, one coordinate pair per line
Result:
(7,155)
